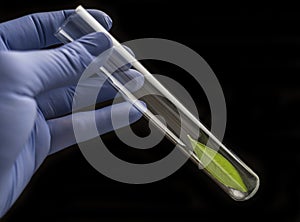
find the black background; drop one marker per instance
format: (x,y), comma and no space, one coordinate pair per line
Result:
(255,52)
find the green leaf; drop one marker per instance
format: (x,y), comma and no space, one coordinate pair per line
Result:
(219,167)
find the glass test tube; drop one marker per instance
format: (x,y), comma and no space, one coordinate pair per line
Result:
(182,127)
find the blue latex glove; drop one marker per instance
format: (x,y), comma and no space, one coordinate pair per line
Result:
(36,89)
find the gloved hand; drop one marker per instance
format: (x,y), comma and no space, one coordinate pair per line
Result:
(36,90)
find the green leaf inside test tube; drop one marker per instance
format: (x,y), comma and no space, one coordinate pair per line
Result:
(218,166)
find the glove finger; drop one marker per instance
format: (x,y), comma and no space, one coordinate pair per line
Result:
(58,102)
(106,119)
(33,72)
(36,31)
